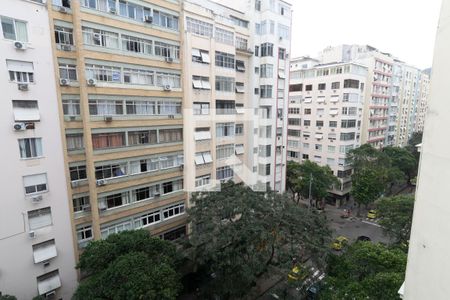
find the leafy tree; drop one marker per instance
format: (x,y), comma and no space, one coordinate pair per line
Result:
(397,214)
(129,265)
(403,161)
(365,271)
(367,186)
(238,233)
(301,176)
(413,141)
(7,297)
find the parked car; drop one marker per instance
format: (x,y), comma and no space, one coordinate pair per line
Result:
(296,274)
(372,214)
(363,238)
(339,243)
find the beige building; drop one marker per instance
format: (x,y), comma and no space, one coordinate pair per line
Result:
(326,109)
(428,267)
(36,247)
(119,67)
(422,106)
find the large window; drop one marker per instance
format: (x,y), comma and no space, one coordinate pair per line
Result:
(137,45)
(104,73)
(68,71)
(105,108)
(143,137)
(202,158)
(26,110)
(200,56)
(224,151)
(20,71)
(74,141)
(266,49)
(199,27)
(167,50)
(266,71)
(110,171)
(173,211)
(224,84)
(224,173)
(225,129)
(224,36)
(78,172)
(200,108)
(170,135)
(265,91)
(63,35)
(35,183)
(241,43)
(224,60)
(351,83)
(348,123)
(102,38)
(201,83)
(30,147)
(39,218)
(14,29)
(108,140)
(348,136)
(225,107)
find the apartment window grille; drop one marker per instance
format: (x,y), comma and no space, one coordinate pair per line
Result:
(63,35)
(199,27)
(224,36)
(14,29)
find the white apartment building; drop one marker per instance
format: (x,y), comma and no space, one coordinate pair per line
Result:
(236,92)
(36,247)
(422,106)
(428,267)
(326,109)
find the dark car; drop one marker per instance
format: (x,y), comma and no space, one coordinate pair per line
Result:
(363,238)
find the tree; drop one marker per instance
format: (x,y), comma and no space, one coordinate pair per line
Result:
(403,161)
(7,297)
(365,271)
(396,217)
(367,186)
(300,177)
(414,140)
(129,265)
(237,234)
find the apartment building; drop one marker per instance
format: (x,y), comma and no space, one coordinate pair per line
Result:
(428,266)
(422,106)
(36,249)
(236,92)
(326,109)
(119,86)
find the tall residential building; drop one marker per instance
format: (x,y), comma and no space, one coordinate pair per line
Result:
(422,106)
(235,92)
(36,247)
(326,109)
(428,267)
(120,101)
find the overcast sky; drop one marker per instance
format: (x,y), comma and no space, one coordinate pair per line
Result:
(404,28)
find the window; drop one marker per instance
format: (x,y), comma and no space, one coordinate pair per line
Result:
(258,5)
(282,53)
(164,20)
(241,43)
(44,251)
(78,172)
(257,51)
(84,235)
(318,147)
(202,158)
(166,50)
(136,76)
(14,29)
(319,123)
(264,169)
(202,133)
(322,86)
(74,142)
(350,97)
(39,218)
(35,183)
(331,161)
(335,85)
(349,136)
(240,88)
(20,71)
(199,82)
(224,173)
(173,211)
(200,108)
(225,130)
(81,204)
(108,39)
(63,35)
(224,60)
(225,84)
(348,123)
(199,27)
(293,154)
(265,150)
(110,171)
(296,87)
(351,83)
(331,149)
(294,132)
(307,111)
(202,180)
(265,131)
(71,107)
(30,147)
(344,174)
(294,121)
(116,228)
(349,111)
(200,56)
(68,71)
(283,32)
(115,200)
(266,49)
(320,112)
(239,129)
(170,135)
(294,110)
(224,151)
(266,71)
(225,107)
(170,79)
(104,73)
(109,140)
(224,36)
(305,156)
(147,219)
(308,87)
(64,3)
(265,91)
(240,66)
(26,110)
(306,122)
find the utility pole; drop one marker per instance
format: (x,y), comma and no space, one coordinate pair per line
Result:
(310,187)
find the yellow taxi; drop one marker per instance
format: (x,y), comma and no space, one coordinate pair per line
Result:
(339,243)
(372,214)
(296,274)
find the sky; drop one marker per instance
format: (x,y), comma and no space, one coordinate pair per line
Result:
(404,28)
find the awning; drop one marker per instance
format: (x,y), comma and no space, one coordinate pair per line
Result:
(205,57)
(207,157)
(26,114)
(318,136)
(206,85)
(333,111)
(35,179)
(19,66)
(334,99)
(196,52)
(48,284)
(240,109)
(202,135)
(199,159)
(320,99)
(308,100)
(240,66)
(240,89)
(44,251)
(281,74)
(239,149)
(197,84)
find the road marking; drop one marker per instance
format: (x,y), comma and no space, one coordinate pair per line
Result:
(370,223)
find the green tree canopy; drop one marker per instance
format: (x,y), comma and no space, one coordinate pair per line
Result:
(403,161)
(413,141)
(7,297)
(238,233)
(301,176)
(396,216)
(365,271)
(129,265)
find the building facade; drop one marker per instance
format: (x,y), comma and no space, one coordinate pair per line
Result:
(119,73)
(428,266)
(326,109)
(36,247)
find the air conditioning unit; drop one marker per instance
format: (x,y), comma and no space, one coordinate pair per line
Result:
(101,182)
(108,118)
(112,10)
(31,234)
(96,36)
(157,195)
(148,19)
(169,59)
(72,118)
(36,199)
(20,45)
(66,47)
(171,117)
(86,207)
(63,10)
(91,82)
(22,86)
(182,167)
(64,81)
(19,126)
(75,184)
(167,87)
(50,295)
(46,263)
(102,206)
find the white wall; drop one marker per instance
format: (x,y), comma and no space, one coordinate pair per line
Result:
(428,269)
(17,270)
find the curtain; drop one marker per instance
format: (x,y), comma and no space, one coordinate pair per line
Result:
(21,31)
(99,141)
